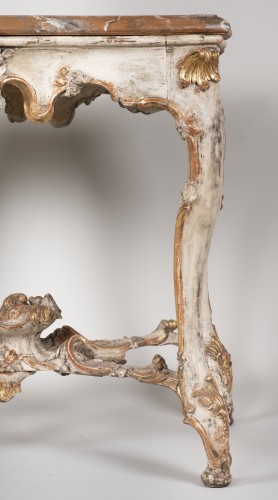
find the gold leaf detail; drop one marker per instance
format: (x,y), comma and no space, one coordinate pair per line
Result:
(11,357)
(8,390)
(209,397)
(61,80)
(216,350)
(18,312)
(199,67)
(156,373)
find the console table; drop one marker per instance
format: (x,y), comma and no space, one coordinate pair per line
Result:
(48,67)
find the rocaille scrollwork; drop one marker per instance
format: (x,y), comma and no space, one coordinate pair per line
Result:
(209,397)
(216,350)
(45,81)
(65,351)
(71,88)
(23,351)
(70,81)
(217,473)
(8,390)
(22,315)
(222,359)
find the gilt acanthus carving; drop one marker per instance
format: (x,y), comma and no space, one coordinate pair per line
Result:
(8,390)
(157,373)
(71,88)
(23,351)
(44,82)
(208,397)
(19,314)
(216,350)
(199,67)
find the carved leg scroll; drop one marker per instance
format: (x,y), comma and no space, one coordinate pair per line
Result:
(65,351)
(201,378)
(146,65)
(221,365)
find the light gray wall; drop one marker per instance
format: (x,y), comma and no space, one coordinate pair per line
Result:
(113,173)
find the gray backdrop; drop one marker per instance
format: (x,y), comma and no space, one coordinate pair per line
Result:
(78,207)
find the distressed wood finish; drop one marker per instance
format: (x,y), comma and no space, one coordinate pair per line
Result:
(146,64)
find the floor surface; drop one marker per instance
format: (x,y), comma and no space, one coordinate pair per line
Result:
(76,437)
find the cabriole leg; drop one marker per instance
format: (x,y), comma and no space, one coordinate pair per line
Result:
(204,383)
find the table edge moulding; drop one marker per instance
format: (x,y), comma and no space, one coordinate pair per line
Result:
(146,64)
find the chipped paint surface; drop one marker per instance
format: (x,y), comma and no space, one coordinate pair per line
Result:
(111,40)
(142,74)
(108,23)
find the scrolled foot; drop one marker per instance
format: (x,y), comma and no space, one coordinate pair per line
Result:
(216,478)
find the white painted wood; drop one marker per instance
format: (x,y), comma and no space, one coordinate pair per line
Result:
(125,67)
(197,373)
(143,74)
(104,41)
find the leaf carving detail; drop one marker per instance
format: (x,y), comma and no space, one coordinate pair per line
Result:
(199,67)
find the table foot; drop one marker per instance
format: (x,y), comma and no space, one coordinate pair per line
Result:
(216,478)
